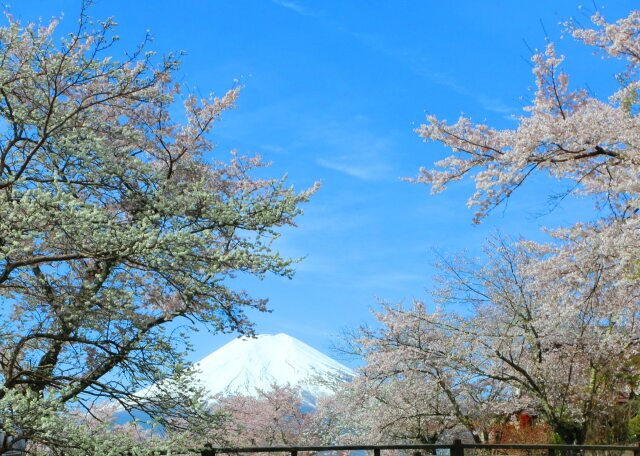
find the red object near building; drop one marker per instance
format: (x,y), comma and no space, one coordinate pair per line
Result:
(525,420)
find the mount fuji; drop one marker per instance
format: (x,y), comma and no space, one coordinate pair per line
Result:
(248,364)
(245,365)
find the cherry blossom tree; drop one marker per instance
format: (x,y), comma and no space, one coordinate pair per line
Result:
(116,219)
(281,416)
(382,406)
(583,282)
(417,384)
(568,135)
(524,342)
(79,434)
(273,417)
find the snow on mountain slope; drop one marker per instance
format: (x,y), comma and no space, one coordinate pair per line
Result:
(245,365)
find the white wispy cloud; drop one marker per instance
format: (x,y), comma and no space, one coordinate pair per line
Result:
(414,59)
(294,6)
(365,171)
(273,148)
(494,105)
(355,150)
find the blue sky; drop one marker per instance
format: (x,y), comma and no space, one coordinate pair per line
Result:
(332,93)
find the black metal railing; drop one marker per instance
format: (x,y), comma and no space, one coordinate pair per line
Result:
(457,448)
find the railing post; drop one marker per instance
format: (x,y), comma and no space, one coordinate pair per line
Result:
(552,452)
(208,450)
(294,452)
(376,452)
(457,449)
(636,452)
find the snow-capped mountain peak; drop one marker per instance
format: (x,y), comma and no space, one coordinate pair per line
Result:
(246,365)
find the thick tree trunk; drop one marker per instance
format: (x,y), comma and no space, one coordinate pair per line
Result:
(571,433)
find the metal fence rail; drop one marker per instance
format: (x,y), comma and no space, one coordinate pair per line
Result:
(457,448)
